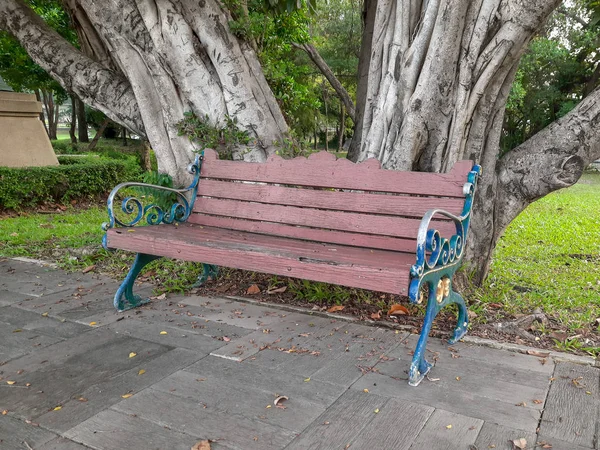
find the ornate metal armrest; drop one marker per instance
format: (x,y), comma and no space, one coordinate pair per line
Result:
(435,253)
(155,214)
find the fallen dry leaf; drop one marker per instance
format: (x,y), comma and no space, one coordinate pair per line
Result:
(397,310)
(93,323)
(163,332)
(126,395)
(57,408)
(366,391)
(376,316)
(335,308)
(202,445)
(132,354)
(277,402)
(4,412)
(306,380)
(448,427)
(226,339)
(161,297)
(520,443)
(45,314)
(376,411)
(141,372)
(89,268)
(82,399)
(279,290)
(254,289)
(11,382)
(18,330)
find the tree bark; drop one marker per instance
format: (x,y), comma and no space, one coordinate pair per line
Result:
(145,156)
(82,125)
(73,123)
(433,88)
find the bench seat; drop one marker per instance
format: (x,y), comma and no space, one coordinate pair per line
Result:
(366,268)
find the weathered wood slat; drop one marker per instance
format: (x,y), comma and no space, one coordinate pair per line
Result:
(278,262)
(317,218)
(308,234)
(212,237)
(322,170)
(397,205)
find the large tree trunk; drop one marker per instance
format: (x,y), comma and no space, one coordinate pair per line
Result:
(48,102)
(38,97)
(434,81)
(73,123)
(147,62)
(82,125)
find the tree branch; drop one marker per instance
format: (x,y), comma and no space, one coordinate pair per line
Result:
(572,16)
(316,58)
(102,88)
(552,159)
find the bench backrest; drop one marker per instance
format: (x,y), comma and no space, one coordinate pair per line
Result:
(324,199)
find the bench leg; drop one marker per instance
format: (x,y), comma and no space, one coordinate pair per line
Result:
(463,317)
(125,298)
(208,271)
(420,367)
(440,295)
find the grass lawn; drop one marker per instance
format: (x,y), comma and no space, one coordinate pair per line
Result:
(549,257)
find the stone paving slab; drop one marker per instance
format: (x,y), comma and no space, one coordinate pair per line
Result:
(9,297)
(16,342)
(14,433)
(186,415)
(62,444)
(345,382)
(16,318)
(573,406)
(499,437)
(111,430)
(63,371)
(97,397)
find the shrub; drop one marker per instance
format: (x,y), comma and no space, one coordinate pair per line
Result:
(75,177)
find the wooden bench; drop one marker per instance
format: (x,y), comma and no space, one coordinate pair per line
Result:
(317,218)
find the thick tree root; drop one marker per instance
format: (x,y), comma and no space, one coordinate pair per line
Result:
(519,326)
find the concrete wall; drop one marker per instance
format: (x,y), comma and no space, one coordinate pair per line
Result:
(23,139)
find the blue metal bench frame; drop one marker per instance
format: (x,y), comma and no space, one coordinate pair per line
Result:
(437,258)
